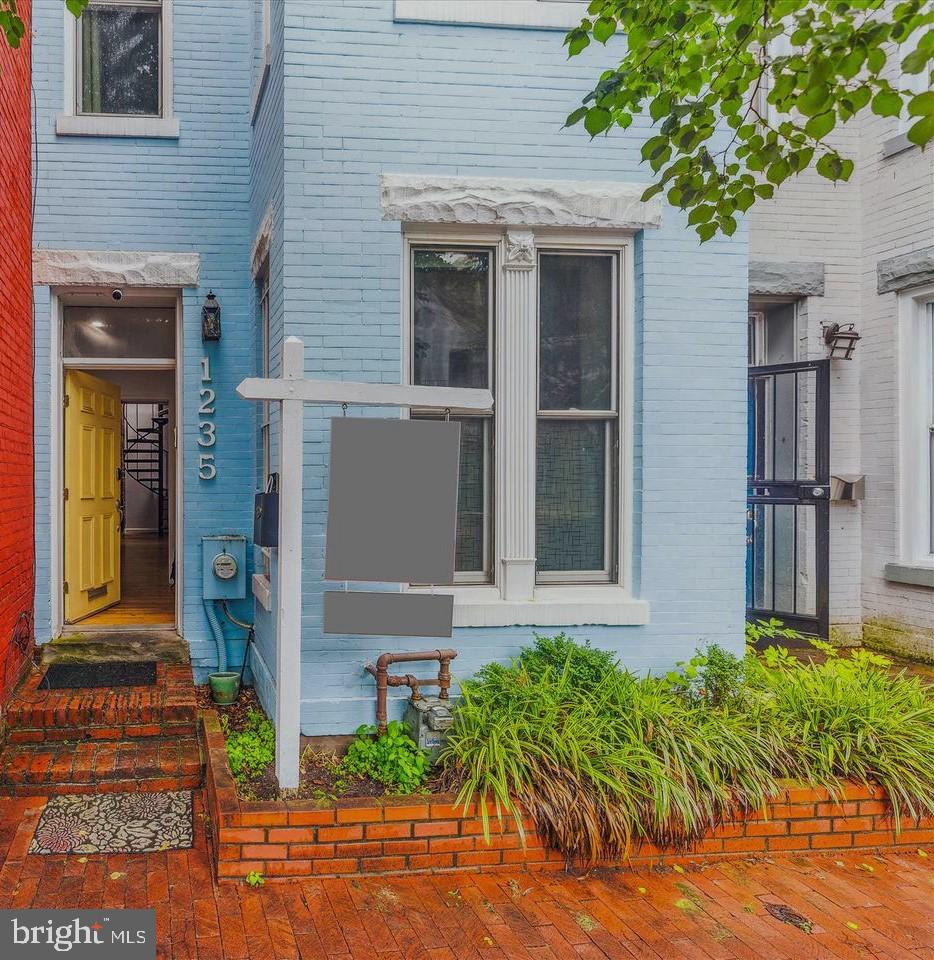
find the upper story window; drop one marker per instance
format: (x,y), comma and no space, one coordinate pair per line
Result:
(118,71)
(119,58)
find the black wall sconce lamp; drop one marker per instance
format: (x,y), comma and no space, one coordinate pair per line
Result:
(841,340)
(210,318)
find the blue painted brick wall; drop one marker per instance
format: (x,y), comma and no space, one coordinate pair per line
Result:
(190,194)
(351,94)
(364,95)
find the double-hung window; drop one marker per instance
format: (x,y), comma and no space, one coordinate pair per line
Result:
(576,452)
(916,428)
(452,346)
(543,498)
(119,58)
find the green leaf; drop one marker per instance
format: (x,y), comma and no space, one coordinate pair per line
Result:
(887,103)
(922,105)
(597,120)
(705,231)
(922,131)
(818,127)
(814,100)
(576,116)
(916,61)
(652,191)
(576,40)
(603,29)
(830,166)
(700,214)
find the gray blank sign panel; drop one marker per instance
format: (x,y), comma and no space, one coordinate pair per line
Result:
(392,501)
(388,614)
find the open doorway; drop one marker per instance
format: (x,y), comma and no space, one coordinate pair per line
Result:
(119,467)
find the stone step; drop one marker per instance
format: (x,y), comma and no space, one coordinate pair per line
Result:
(101,766)
(166,709)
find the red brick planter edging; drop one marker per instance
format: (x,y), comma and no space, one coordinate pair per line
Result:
(284,838)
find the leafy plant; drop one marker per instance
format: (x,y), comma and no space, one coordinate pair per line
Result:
(255,879)
(393,759)
(703,69)
(251,750)
(585,665)
(771,629)
(599,764)
(851,717)
(11,23)
(713,676)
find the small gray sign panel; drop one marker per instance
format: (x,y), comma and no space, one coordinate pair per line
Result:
(392,500)
(364,613)
(79,934)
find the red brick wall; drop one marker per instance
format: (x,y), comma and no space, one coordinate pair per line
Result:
(16,449)
(430,834)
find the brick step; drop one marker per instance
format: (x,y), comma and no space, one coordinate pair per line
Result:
(100,766)
(166,709)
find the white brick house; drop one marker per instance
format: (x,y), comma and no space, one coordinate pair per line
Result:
(863,253)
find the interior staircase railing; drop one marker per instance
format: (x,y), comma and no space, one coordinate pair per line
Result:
(144,460)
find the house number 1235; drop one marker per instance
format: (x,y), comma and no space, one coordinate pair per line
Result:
(207,432)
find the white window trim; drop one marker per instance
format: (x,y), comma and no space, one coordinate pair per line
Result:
(914,401)
(71,123)
(487,605)
(529,14)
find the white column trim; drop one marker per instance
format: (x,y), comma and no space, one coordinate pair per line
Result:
(516,374)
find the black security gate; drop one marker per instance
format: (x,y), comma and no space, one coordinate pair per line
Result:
(788,495)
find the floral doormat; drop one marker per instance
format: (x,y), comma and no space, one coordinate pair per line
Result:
(115,823)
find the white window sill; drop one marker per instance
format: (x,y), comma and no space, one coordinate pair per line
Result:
(262,590)
(896,145)
(165,128)
(259,84)
(552,606)
(916,573)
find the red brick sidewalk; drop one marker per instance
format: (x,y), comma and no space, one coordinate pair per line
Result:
(856,905)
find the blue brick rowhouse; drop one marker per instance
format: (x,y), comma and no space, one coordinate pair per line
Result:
(389,182)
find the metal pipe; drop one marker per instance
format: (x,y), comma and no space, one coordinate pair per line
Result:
(385,680)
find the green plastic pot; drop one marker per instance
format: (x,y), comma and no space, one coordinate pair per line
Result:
(224,686)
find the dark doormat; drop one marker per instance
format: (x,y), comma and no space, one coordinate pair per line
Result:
(115,823)
(77,676)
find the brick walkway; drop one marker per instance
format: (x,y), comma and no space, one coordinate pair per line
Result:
(857,905)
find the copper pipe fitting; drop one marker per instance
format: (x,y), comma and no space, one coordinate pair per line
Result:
(384,679)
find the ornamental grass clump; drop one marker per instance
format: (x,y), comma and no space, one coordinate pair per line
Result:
(600,758)
(850,718)
(601,764)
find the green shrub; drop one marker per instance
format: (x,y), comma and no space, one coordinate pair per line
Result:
(586,665)
(713,676)
(851,718)
(599,757)
(251,750)
(600,765)
(393,759)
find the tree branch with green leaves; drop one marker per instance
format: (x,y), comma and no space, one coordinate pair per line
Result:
(11,23)
(695,65)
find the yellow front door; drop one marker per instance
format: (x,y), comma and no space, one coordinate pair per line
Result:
(92,494)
